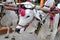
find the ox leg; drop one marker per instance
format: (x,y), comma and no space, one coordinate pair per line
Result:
(7,35)
(14,26)
(13,38)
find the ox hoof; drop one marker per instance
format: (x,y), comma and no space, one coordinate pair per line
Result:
(12,38)
(6,36)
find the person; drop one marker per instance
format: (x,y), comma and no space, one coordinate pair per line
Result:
(56,3)
(55,6)
(48,5)
(51,7)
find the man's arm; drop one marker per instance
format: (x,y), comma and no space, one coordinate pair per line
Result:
(45,9)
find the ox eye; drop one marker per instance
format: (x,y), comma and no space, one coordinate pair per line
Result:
(27,16)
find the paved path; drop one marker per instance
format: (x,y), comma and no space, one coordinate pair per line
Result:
(20,37)
(25,36)
(57,36)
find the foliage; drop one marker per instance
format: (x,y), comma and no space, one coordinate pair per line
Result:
(1,26)
(36,3)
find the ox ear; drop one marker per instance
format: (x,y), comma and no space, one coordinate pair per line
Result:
(36,14)
(28,4)
(39,15)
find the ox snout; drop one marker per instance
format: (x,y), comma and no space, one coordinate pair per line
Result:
(19,29)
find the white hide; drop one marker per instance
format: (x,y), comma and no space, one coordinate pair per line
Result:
(23,19)
(9,0)
(13,2)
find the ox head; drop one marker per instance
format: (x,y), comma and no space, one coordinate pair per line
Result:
(25,19)
(26,15)
(10,2)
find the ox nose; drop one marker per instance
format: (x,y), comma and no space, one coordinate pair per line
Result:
(17,30)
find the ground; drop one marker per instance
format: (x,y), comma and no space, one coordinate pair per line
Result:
(26,36)
(19,37)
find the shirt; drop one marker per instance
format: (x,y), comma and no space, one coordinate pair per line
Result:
(49,3)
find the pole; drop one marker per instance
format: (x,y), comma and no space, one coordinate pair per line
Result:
(41,3)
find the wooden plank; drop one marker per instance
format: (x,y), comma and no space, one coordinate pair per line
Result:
(18,1)
(3,30)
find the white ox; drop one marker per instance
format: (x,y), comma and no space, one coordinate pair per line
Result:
(9,18)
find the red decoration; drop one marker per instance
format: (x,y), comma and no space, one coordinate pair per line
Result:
(52,15)
(21,12)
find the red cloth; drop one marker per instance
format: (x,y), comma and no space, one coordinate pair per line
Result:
(52,15)
(21,12)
